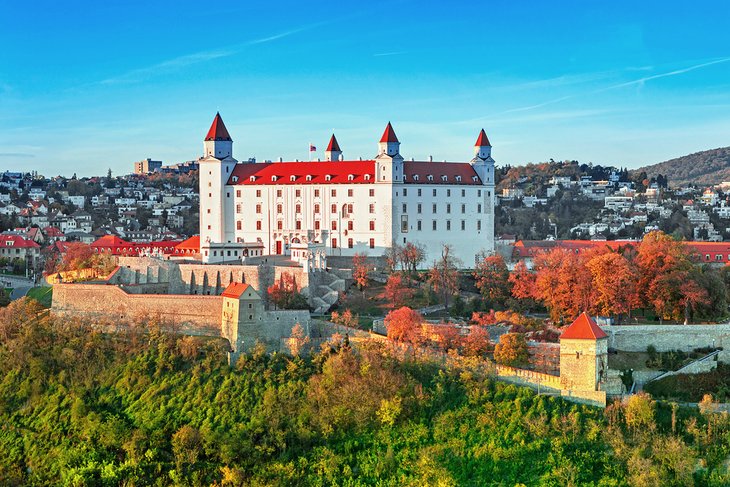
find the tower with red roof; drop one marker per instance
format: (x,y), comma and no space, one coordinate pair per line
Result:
(389,162)
(583,356)
(333,152)
(216,204)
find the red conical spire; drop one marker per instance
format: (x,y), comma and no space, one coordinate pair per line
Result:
(482,141)
(389,134)
(333,145)
(218,130)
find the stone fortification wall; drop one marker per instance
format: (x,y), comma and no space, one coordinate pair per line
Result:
(632,338)
(528,378)
(200,315)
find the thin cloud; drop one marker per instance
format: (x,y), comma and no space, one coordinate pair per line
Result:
(180,62)
(676,72)
(16,155)
(393,53)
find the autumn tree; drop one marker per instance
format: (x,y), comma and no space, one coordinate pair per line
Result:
(476,343)
(562,283)
(411,256)
(396,291)
(404,325)
(613,284)
(360,269)
(492,278)
(284,294)
(444,274)
(511,350)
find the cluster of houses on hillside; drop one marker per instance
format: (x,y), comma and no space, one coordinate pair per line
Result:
(37,213)
(628,211)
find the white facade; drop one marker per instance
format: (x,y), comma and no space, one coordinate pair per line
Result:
(346,206)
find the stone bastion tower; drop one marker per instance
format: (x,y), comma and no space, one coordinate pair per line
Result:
(584,360)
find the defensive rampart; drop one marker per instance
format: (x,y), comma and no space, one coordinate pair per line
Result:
(635,338)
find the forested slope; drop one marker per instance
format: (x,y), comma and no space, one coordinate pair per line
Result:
(81,408)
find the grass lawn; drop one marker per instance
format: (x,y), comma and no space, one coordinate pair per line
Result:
(42,294)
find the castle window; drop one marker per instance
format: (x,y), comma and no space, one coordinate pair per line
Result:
(279,208)
(448,207)
(258,225)
(349,193)
(350,177)
(279,225)
(333,209)
(415,178)
(258,192)
(405,208)
(405,192)
(328,177)
(430,177)
(278,193)
(350,224)
(258,208)
(298,225)
(463,191)
(463,208)
(444,178)
(316,208)
(433,208)
(474,178)
(349,208)
(292,178)
(349,243)
(298,193)
(333,193)
(367,177)
(479,225)
(418,225)
(448,224)
(334,224)
(372,225)
(448,193)
(238,193)
(463,225)
(434,225)
(297,208)
(238,208)
(372,208)
(252,179)
(274,178)
(479,193)
(434,193)
(458,179)
(309,177)
(372,243)
(316,224)
(372,192)
(479,208)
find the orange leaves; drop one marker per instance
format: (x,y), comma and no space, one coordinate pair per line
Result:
(404,325)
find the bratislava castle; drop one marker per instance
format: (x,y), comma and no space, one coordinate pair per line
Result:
(343,206)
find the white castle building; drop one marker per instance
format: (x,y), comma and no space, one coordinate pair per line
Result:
(341,206)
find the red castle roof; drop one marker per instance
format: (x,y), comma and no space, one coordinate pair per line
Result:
(193,243)
(333,145)
(482,141)
(389,134)
(583,328)
(218,130)
(116,246)
(235,290)
(349,172)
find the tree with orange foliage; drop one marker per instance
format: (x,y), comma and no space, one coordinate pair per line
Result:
(477,343)
(562,283)
(284,294)
(613,284)
(511,350)
(404,325)
(360,269)
(444,274)
(522,281)
(492,278)
(663,265)
(692,295)
(396,292)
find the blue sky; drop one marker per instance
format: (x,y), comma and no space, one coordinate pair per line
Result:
(86,86)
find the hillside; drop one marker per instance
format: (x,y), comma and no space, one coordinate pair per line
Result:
(81,408)
(704,168)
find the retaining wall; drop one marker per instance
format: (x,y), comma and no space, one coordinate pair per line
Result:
(635,338)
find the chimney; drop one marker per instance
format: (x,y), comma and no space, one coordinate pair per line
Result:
(430,158)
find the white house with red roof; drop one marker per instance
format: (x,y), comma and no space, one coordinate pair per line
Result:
(18,247)
(347,206)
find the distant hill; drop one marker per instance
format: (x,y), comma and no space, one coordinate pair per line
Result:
(704,168)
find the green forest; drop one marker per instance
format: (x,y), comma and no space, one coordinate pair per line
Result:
(141,407)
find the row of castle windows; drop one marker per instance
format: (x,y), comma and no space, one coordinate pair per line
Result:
(434,225)
(434,208)
(298,225)
(351,243)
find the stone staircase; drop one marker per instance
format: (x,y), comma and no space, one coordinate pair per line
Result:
(327,292)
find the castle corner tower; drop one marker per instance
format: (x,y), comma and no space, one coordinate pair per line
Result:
(389,162)
(215,168)
(333,152)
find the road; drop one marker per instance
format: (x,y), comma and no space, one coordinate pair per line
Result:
(20,285)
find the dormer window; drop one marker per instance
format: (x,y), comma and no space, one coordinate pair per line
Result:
(309,177)
(274,178)
(415,177)
(328,177)
(474,178)
(292,178)
(444,177)
(430,177)
(350,177)
(252,179)
(458,179)
(234,179)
